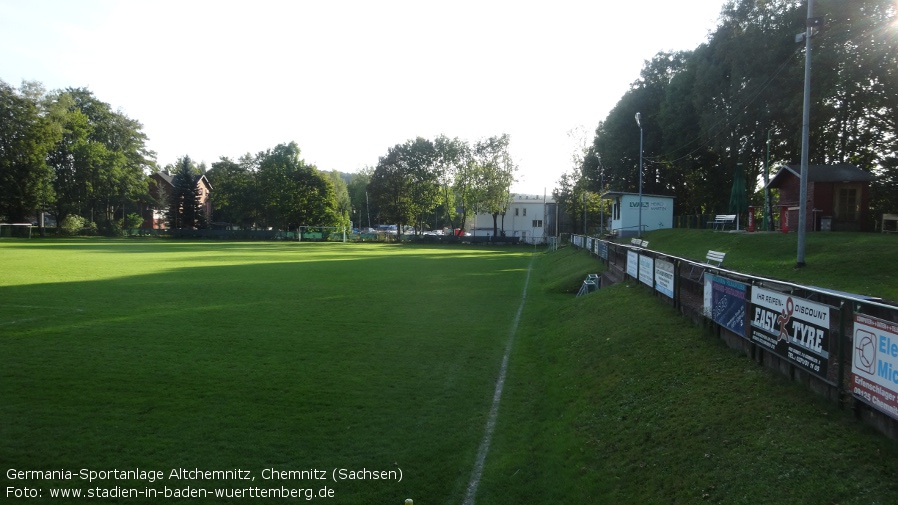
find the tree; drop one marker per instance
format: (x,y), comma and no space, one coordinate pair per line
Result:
(101,160)
(450,164)
(235,198)
(494,175)
(358,197)
(185,209)
(27,135)
(293,193)
(705,111)
(405,183)
(343,206)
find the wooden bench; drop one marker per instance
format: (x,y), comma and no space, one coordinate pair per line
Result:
(639,243)
(712,259)
(721,221)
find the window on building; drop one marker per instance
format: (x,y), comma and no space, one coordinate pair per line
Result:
(525,211)
(537,223)
(516,211)
(847,204)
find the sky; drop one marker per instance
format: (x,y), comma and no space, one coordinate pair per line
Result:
(348,79)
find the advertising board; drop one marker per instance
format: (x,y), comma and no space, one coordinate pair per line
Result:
(792,327)
(725,302)
(632,264)
(874,365)
(664,277)
(647,270)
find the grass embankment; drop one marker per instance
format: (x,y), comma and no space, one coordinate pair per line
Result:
(614,398)
(862,263)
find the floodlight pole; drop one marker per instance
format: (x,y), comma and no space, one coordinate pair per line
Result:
(601,203)
(639,124)
(805,133)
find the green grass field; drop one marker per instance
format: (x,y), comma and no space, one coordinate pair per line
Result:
(161,355)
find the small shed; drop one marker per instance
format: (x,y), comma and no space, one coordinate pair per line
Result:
(838,196)
(657,212)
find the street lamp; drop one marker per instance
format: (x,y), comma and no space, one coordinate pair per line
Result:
(601,203)
(639,124)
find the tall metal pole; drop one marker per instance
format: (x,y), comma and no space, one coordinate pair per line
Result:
(805,133)
(601,203)
(584,213)
(767,213)
(638,123)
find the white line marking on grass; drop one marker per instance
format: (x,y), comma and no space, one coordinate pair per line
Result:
(38,318)
(484,448)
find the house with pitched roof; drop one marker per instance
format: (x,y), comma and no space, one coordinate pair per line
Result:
(838,195)
(161,186)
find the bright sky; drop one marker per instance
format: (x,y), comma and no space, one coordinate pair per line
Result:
(348,79)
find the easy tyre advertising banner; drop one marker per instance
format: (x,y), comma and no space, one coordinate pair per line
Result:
(874,366)
(792,327)
(725,302)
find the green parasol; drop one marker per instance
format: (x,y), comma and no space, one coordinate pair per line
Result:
(738,195)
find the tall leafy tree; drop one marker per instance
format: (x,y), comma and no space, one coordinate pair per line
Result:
(27,135)
(362,207)
(494,175)
(343,206)
(294,193)
(450,163)
(405,183)
(235,198)
(102,159)
(707,110)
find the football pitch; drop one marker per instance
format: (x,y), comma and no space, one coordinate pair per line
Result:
(134,372)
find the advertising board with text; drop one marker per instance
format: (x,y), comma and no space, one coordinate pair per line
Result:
(792,327)
(647,270)
(633,264)
(664,277)
(874,365)
(725,302)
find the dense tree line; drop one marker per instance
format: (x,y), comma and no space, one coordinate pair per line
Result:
(738,99)
(276,189)
(70,154)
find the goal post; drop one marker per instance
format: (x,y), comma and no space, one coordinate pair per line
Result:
(15,230)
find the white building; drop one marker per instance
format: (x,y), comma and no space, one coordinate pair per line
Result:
(531,218)
(657,212)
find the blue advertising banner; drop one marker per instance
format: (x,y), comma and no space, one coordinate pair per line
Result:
(725,303)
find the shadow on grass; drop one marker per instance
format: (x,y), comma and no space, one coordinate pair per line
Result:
(383,362)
